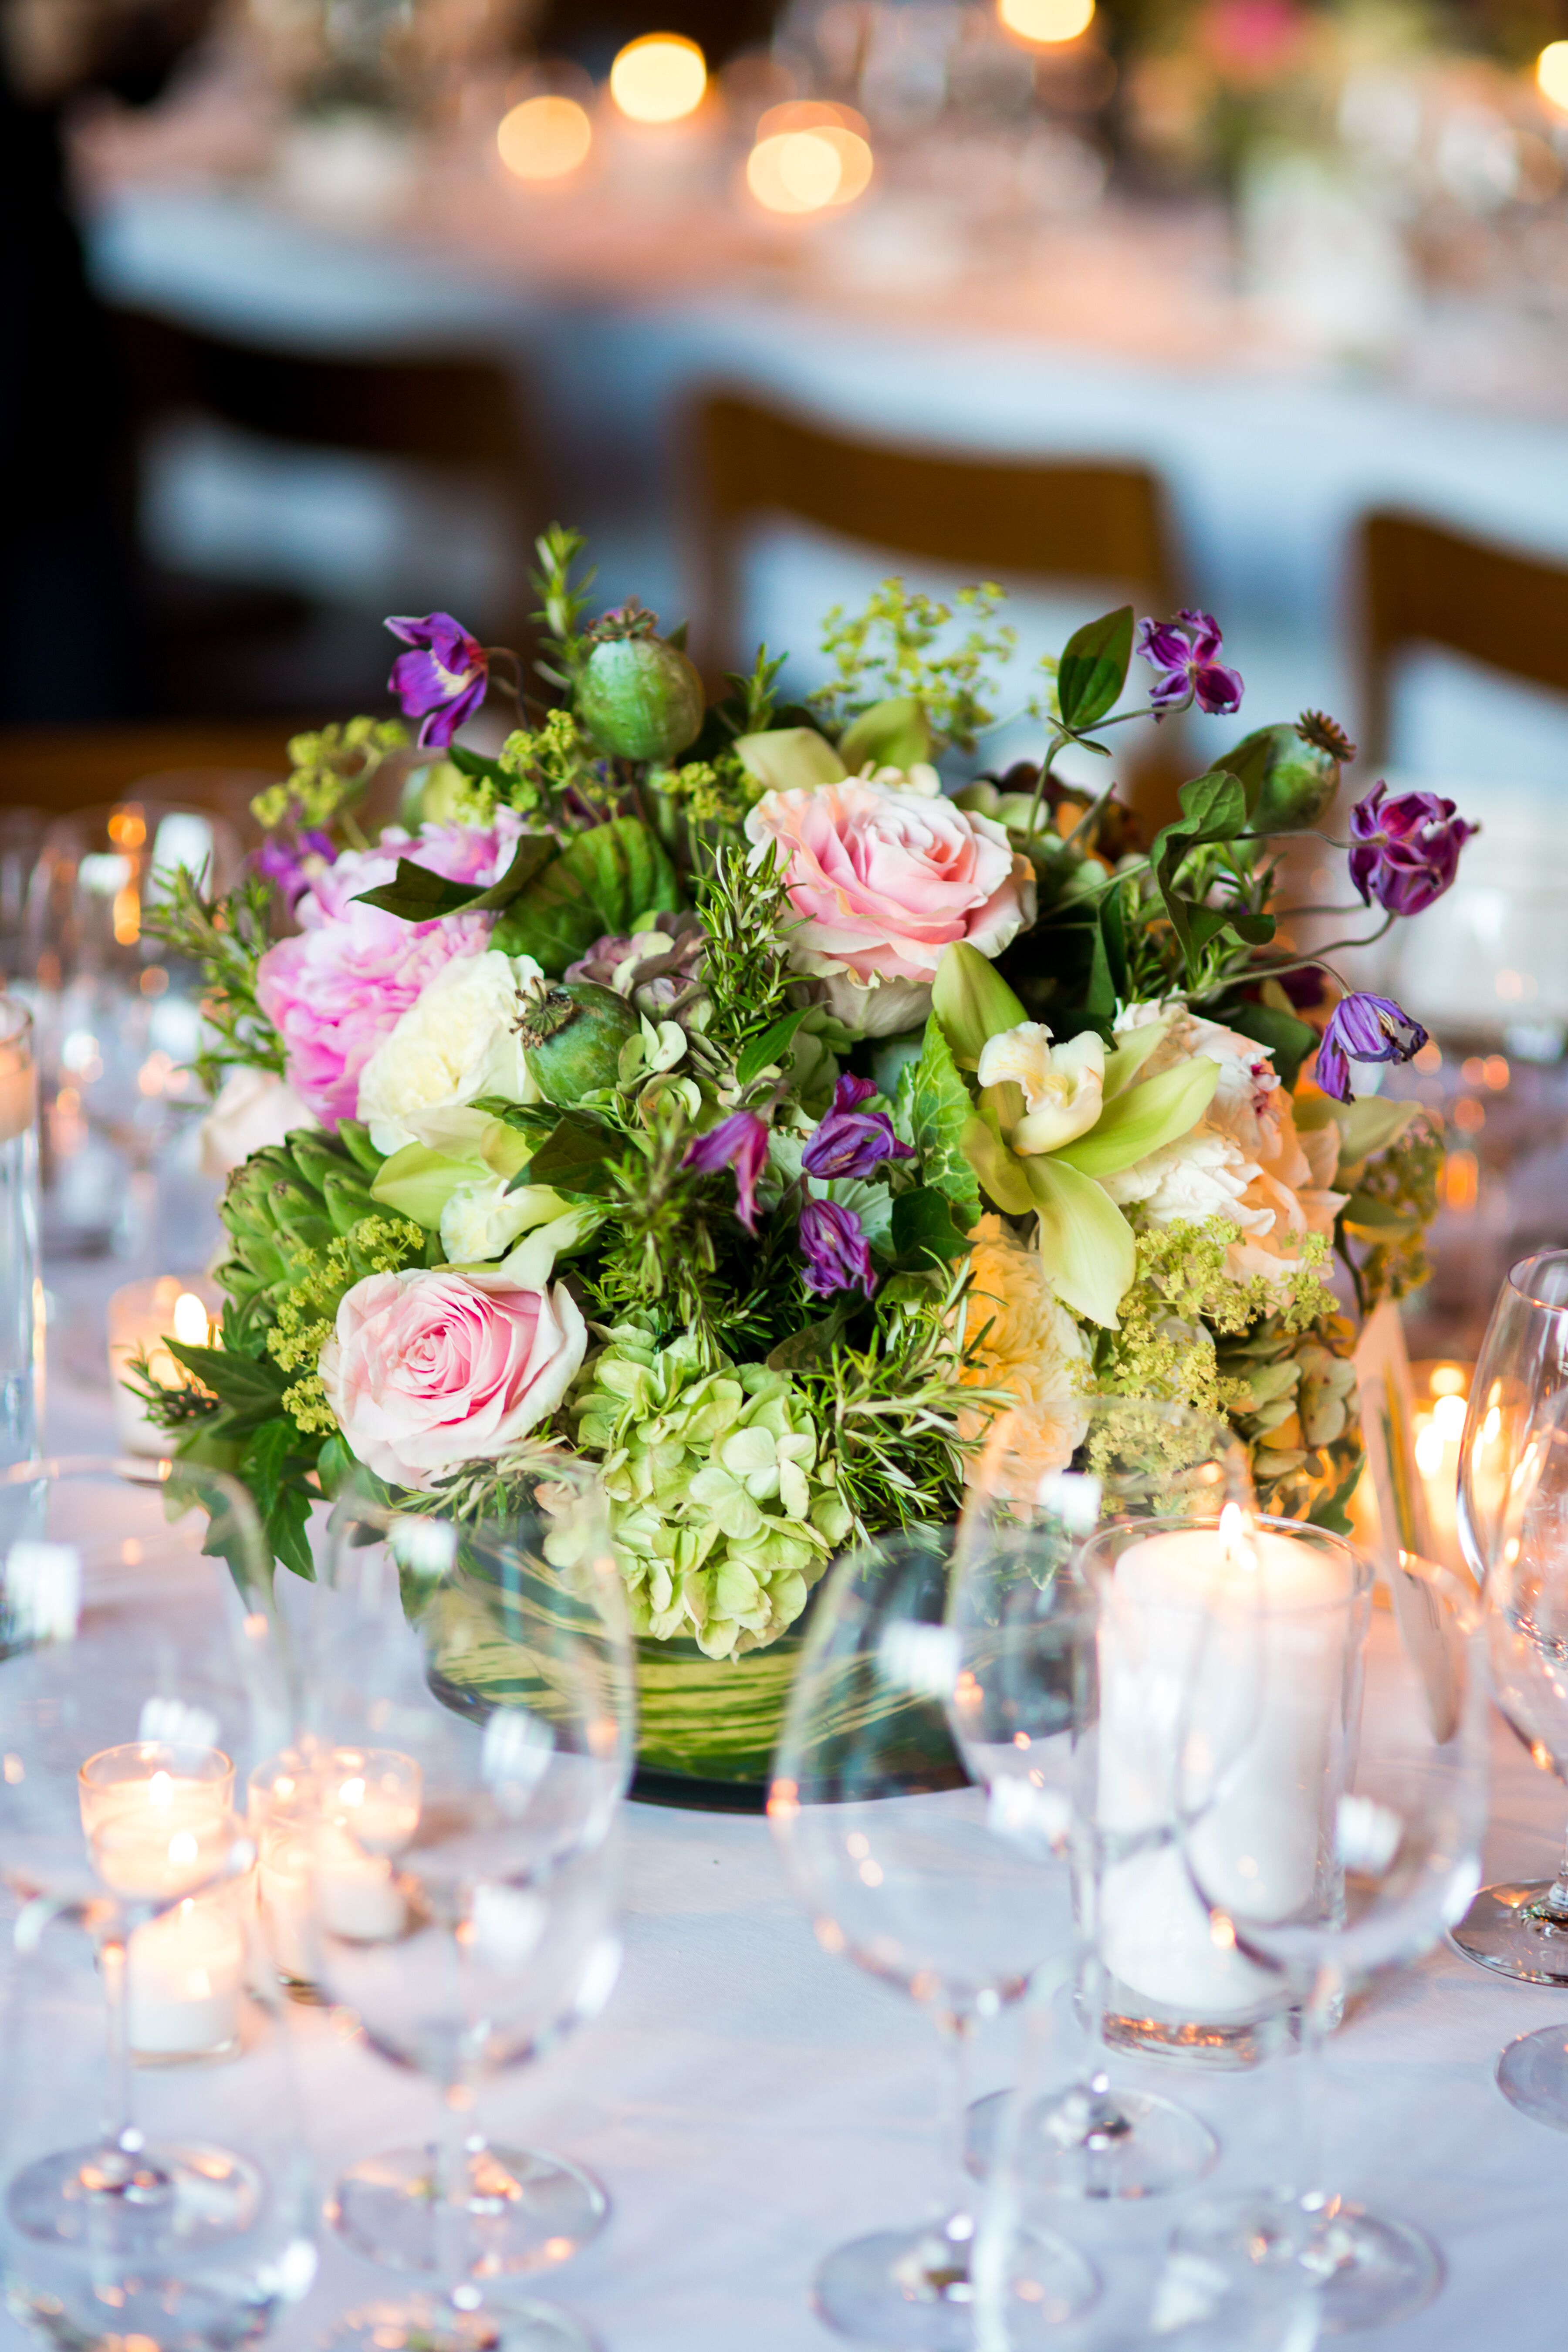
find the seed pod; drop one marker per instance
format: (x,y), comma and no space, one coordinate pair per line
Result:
(572,1037)
(639,698)
(1290,782)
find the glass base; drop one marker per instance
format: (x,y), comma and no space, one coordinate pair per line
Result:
(913,2287)
(1091,2141)
(526,2211)
(1367,2271)
(1131,2020)
(1507,1929)
(135,2201)
(424,2327)
(1532,2075)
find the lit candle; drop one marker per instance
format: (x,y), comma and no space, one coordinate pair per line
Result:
(143,1317)
(18,1087)
(183,1980)
(331,1822)
(1439,1427)
(1157,1936)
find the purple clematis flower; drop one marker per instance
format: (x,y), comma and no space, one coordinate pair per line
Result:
(1404,852)
(1364,1028)
(850,1141)
(442,680)
(291,866)
(1186,652)
(740,1143)
(836,1253)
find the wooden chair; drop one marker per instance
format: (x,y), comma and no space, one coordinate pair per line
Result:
(1422,583)
(1062,518)
(457,413)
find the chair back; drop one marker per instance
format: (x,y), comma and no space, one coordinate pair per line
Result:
(1422,583)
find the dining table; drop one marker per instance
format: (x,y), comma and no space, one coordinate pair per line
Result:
(748,2101)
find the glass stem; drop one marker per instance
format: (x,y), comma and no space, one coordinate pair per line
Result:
(450,2187)
(1554,1901)
(957,2191)
(1304,2182)
(120,2125)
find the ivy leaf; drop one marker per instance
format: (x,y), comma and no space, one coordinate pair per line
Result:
(1093,667)
(419,896)
(931,1112)
(286,1528)
(601,882)
(265,1458)
(1213,808)
(575,1157)
(335,1465)
(923,1228)
(771,1046)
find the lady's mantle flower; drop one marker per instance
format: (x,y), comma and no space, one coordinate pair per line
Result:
(1404,852)
(1186,652)
(1364,1029)
(740,1143)
(1063,1086)
(837,1256)
(442,681)
(850,1141)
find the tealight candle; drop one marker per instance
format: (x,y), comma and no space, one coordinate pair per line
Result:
(143,1317)
(183,1980)
(1156,1936)
(332,1822)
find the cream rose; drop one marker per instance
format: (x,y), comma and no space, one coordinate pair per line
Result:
(457,1041)
(883,879)
(430,1369)
(252,1110)
(1024,1341)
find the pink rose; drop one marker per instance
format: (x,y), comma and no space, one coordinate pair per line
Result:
(341,985)
(886,880)
(429,1370)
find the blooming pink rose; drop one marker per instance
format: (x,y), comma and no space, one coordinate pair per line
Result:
(337,989)
(885,880)
(429,1370)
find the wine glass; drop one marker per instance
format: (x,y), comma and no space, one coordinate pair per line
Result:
(922,1880)
(453,1807)
(1037,1495)
(1519,1930)
(1526,1605)
(137,1675)
(1332,1769)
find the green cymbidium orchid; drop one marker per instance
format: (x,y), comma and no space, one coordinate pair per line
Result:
(1086,1242)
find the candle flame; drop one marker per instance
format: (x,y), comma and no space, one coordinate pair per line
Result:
(160,1788)
(352,1792)
(183,1848)
(190,1320)
(1237,1536)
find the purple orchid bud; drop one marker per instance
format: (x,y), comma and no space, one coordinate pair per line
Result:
(442,680)
(1364,1028)
(849,1141)
(292,866)
(1186,652)
(836,1253)
(740,1143)
(1405,851)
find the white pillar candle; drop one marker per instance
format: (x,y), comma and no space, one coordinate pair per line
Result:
(1157,1936)
(143,1317)
(183,1980)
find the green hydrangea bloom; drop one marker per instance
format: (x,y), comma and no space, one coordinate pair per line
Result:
(722,1511)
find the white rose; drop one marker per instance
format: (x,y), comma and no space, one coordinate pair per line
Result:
(456,1042)
(1199,1176)
(253,1108)
(1063,1086)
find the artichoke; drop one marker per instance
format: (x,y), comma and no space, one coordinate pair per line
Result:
(287,1199)
(639,697)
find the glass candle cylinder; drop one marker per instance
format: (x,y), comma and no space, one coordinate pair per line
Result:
(328,1824)
(143,1317)
(21,1283)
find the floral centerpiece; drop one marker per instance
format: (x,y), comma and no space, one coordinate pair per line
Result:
(705,1090)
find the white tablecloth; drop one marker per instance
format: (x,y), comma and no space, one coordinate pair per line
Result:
(748,2102)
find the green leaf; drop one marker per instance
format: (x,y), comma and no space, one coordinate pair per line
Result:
(1086,1242)
(475,764)
(891,734)
(788,759)
(1374,1221)
(1368,1125)
(575,1157)
(923,1228)
(804,1349)
(1286,1040)
(999,1170)
(770,1047)
(1093,667)
(931,1112)
(1213,808)
(335,1465)
(418,1182)
(265,1459)
(285,1527)
(1114,940)
(417,895)
(600,883)
(971,1002)
(1125,1060)
(253,1390)
(1143,1119)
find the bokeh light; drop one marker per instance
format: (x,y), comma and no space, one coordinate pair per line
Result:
(544,138)
(1551,73)
(659,78)
(809,156)
(1046,20)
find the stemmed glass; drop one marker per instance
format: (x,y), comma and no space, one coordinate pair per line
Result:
(1037,1495)
(1526,1605)
(1518,1930)
(455,1807)
(137,1675)
(1332,1773)
(925,1884)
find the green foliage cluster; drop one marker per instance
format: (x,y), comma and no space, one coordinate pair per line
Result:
(329,773)
(896,647)
(225,937)
(1403,1181)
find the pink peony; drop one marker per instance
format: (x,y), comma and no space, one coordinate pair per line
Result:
(427,1371)
(337,989)
(886,880)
